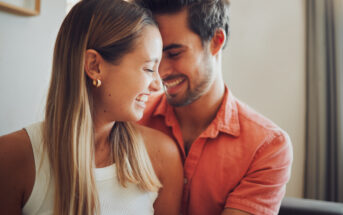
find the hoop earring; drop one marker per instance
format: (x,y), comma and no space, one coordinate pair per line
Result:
(96,83)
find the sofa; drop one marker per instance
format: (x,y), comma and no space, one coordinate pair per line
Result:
(297,206)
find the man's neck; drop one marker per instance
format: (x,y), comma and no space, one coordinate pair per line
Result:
(195,117)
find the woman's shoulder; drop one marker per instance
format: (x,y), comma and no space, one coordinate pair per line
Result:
(157,141)
(17,166)
(162,149)
(166,160)
(15,148)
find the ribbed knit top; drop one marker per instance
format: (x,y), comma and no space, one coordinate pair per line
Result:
(114,199)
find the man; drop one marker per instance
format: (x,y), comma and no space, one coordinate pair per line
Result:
(235,160)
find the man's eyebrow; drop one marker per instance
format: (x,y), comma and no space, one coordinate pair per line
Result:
(172,46)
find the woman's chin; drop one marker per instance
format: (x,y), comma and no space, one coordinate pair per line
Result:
(139,116)
(136,116)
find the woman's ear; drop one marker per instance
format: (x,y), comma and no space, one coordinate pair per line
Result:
(92,64)
(218,40)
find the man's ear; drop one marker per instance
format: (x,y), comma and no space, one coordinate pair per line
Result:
(218,41)
(92,64)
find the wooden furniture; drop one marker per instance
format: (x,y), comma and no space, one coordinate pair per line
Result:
(11,8)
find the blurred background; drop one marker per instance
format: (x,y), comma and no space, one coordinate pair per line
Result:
(284,59)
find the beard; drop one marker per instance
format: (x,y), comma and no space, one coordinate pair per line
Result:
(191,94)
(197,85)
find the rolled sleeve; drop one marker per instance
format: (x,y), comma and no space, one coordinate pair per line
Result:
(264,184)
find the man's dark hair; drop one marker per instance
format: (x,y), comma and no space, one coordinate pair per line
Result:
(204,16)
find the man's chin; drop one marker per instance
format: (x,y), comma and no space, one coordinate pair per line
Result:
(178,102)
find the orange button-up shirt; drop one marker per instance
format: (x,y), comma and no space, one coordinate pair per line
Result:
(242,160)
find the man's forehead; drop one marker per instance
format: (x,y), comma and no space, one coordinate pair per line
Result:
(173,28)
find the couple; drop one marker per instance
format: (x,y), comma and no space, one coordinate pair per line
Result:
(212,154)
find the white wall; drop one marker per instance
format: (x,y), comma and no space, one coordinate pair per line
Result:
(26,48)
(264,65)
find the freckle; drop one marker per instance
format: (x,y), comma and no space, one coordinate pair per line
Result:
(109,94)
(105,111)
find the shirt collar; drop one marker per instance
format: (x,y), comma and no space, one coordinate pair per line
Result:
(226,120)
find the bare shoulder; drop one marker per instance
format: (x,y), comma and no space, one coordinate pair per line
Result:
(162,149)
(15,149)
(158,142)
(166,160)
(17,168)
(17,138)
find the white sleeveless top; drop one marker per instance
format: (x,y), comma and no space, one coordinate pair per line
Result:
(114,199)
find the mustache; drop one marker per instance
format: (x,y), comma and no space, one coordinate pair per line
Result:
(171,77)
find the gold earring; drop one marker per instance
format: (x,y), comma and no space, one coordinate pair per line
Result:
(96,83)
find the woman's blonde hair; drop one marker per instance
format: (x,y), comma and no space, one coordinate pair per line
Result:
(110,27)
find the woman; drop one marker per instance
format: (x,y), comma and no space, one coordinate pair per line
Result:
(86,157)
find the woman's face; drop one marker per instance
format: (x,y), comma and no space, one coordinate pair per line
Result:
(125,87)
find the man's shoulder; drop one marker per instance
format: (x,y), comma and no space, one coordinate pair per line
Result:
(265,155)
(256,125)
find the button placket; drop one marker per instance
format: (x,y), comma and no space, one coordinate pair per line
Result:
(191,163)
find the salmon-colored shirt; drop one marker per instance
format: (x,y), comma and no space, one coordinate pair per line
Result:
(242,160)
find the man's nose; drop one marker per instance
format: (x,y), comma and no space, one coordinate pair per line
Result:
(165,68)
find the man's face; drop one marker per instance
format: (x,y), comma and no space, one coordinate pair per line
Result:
(185,68)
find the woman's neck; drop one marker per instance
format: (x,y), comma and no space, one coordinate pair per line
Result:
(102,149)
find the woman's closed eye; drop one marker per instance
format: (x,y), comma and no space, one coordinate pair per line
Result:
(149,70)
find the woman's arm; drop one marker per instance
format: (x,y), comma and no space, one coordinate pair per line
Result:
(167,163)
(17,172)
(171,176)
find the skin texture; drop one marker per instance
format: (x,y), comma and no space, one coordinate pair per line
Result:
(192,77)
(118,98)
(17,172)
(185,56)
(185,60)
(167,163)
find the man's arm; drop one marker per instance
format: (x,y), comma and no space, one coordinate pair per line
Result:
(231,211)
(262,188)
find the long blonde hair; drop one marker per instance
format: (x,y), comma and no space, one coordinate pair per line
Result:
(111,28)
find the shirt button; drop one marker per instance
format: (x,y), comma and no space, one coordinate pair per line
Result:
(185,180)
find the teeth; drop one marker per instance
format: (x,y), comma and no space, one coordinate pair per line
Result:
(142,98)
(173,83)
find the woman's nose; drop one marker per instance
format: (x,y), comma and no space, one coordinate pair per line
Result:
(156,83)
